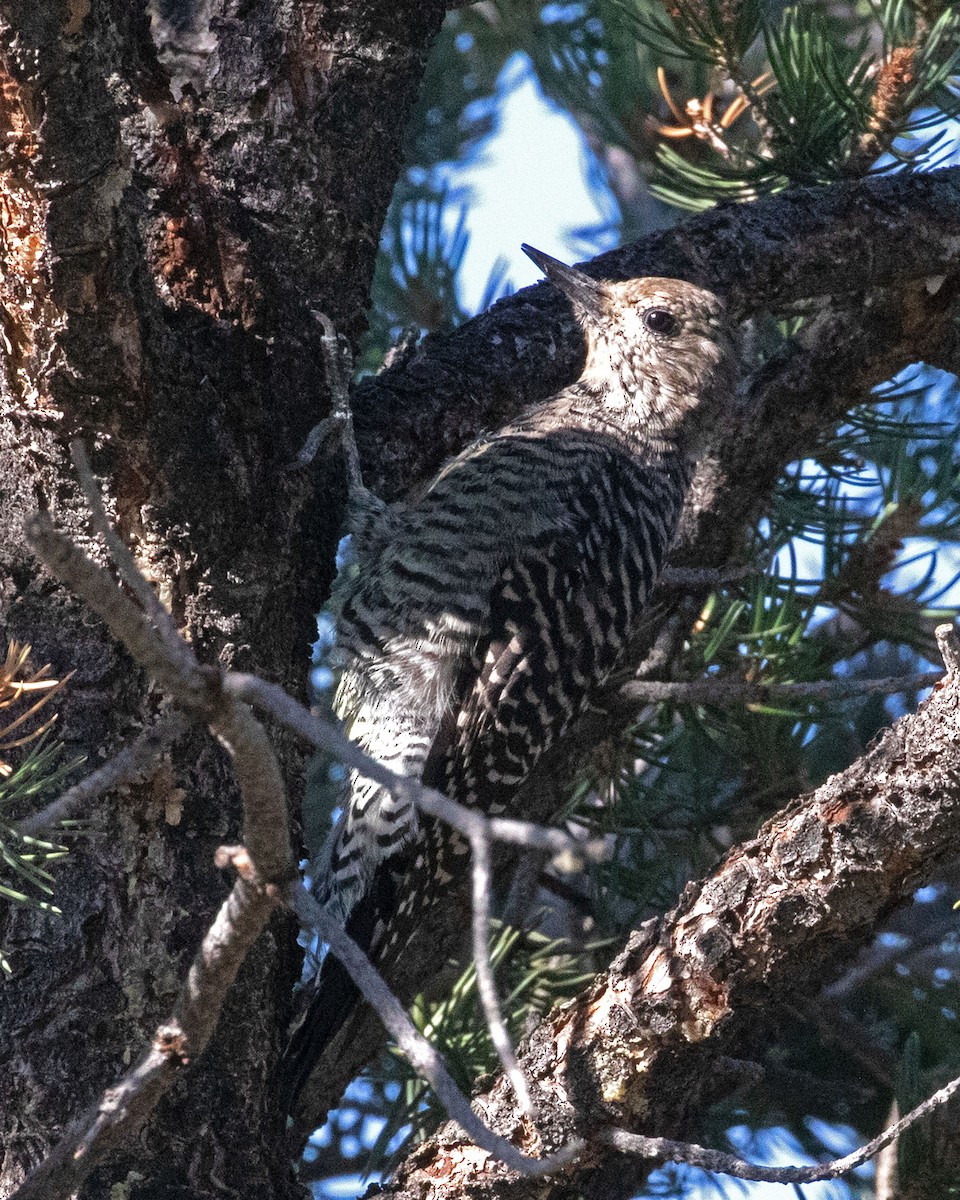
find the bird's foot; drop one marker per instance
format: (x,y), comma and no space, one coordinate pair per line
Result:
(338,426)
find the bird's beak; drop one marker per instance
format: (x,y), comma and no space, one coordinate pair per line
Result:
(585,293)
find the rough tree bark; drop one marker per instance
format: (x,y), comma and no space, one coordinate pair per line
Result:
(172,220)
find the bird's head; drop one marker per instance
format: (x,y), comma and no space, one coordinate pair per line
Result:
(662,354)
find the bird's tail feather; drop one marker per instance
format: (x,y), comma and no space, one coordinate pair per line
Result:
(335,995)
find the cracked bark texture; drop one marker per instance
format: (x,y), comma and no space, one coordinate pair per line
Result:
(860,254)
(182,190)
(648,1044)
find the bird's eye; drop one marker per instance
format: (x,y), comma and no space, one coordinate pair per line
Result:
(659,320)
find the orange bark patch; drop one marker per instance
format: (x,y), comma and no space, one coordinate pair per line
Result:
(195,257)
(205,269)
(464,1161)
(23,241)
(78,11)
(838,810)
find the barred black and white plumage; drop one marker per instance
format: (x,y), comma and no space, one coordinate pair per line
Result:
(485,615)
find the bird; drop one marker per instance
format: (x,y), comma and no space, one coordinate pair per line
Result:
(478,620)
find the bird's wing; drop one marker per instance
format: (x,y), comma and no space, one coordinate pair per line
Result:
(545,651)
(560,615)
(558,611)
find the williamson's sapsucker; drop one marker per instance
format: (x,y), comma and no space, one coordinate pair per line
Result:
(484,617)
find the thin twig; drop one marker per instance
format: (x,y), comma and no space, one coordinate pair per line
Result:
(480,830)
(339,364)
(126,766)
(729,1164)
(109,1122)
(124,1108)
(742,691)
(673,632)
(266,832)
(273,699)
(417,1050)
(177,672)
(481,874)
(339,368)
(476,827)
(264,861)
(129,571)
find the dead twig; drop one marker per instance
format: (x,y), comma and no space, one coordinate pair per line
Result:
(266,875)
(127,766)
(729,1164)
(572,851)
(743,691)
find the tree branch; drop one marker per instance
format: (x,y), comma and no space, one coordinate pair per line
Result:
(418,1051)
(729,1164)
(717,690)
(327,736)
(844,239)
(266,874)
(635,1049)
(127,765)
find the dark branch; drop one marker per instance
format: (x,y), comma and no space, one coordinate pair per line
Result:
(743,691)
(841,240)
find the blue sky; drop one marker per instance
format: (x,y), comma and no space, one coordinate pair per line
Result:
(529,185)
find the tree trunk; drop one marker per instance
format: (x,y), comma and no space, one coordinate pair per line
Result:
(181,196)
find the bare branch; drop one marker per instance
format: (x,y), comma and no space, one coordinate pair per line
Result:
(339,424)
(476,827)
(729,1164)
(263,861)
(327,737)
(742,691)
(711,577)
(123,1108)
(266,834)
(637,1048)
(242,916)
(486,984)
(417,1050)
(480,830)
(122,557)
(176,672)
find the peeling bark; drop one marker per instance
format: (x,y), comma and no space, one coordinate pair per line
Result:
(171,222)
